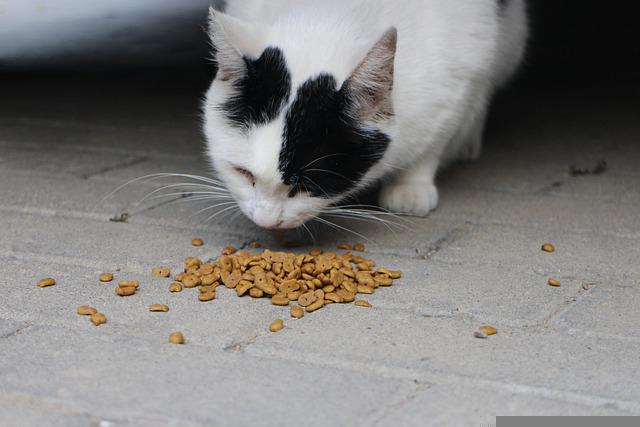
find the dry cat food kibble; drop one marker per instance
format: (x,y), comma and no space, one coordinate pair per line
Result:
(85,310)
(229,250)
(175,287)
(362,303)
(176,338)
(43,283)
(488,330)
(197,242)
(106,277)
(296,312)
(255,245)
(548,247)
(345,247)
(98,319)
(161,272)
(554,282)
(276,325)
(359,247)
(159,308)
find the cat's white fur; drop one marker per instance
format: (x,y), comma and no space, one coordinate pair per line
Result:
(451,57)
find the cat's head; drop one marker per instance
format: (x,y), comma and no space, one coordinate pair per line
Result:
(287,141)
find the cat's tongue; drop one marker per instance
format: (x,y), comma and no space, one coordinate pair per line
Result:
(278,235)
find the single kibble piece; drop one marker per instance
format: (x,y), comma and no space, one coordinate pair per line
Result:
(256,292)
(85,310)
(315,306)
(129,284)
(548,247)
(197,242)
(176,338)
(362,303)
(345,246)
(126,291)
(488,330)
(359,247)
(43,283)
(207,296)
(296,312)
(175,287)
(98,319)
(161,272)
(276,325)
(554,282)
(279,300)
(159,307)
(106,277)
(229,250)
(255,245)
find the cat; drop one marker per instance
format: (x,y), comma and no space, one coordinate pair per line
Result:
(315,101)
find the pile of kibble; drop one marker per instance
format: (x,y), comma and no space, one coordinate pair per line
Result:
(306,282)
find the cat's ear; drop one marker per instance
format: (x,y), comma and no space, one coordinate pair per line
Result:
(369,86)
(232,40)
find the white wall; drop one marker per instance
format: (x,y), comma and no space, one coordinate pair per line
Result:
(87,30)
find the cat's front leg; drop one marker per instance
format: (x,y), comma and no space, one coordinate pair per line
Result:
(413,191)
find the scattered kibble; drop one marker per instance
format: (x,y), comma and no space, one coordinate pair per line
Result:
(255,245)
(207,296)
(161,272)
(129,284)
(488,330)
(548,247)
(276,325)
(159,308)
(106,277)
(175,287)
(229,250)
(362,303)
(43,283)
(554,282)
(176,338)
(197,242)
(98,319)
(85,310)
(296,312)
(125,291)
(345,247)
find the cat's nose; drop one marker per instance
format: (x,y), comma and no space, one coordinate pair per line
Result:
(267,218)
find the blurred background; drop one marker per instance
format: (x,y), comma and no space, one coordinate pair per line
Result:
(139,63)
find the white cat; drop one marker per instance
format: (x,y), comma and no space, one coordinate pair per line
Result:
(316,100)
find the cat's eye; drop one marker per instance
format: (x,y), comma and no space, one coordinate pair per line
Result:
(247,174)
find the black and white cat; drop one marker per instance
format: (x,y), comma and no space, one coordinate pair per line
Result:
(316,100)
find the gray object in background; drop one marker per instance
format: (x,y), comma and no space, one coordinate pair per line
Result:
(71,33)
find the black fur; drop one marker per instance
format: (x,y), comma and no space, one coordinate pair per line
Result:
(262,93)
(324,151)
(503,3)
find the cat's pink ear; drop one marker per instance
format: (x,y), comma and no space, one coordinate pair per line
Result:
(232,40)
(369,86)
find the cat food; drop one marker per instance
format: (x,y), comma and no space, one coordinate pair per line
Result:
(488,330)
(276,325)
(197,242)
(175,287)
(129,284)
(106,277)
(255,245)
(125,291)
(554,282)
(98,319)
(207,296)
(296,312)
(362,303)
(345,247)
(229,250)
(548,247)
(43,283)
(161,272)
(359,247)
(176,338)
(159,308)
(85,310)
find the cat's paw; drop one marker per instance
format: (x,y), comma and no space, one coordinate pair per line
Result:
(413,199)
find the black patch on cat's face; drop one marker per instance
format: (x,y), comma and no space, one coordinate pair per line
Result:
(325,152)
(262,93)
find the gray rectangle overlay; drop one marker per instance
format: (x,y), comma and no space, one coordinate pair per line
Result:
(567,421)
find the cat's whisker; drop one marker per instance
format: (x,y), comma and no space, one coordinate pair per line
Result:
(212,217)
(322,158)
(331,173)
(211,207)
(339,227)
(306,228)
